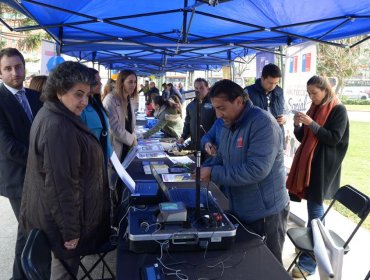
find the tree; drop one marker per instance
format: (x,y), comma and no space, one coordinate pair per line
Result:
(341,62)
(31,39)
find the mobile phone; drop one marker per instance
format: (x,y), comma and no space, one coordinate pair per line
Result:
(295,112)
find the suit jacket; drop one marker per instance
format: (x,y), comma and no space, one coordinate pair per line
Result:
(14,140)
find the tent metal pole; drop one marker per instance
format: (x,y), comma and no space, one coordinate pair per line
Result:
(359,42)
(184,22)
(282,65)
(60,36)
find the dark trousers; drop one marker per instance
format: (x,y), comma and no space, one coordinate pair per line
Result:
(273,229)
(19,245)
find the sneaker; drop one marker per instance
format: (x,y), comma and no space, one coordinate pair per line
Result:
(296,273)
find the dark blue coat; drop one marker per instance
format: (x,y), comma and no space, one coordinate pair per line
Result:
(250,165)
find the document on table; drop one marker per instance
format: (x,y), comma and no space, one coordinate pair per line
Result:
(181,160)
(181,177)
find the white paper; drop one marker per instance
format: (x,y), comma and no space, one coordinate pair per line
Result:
(125,177)
(180,177)
(181,160)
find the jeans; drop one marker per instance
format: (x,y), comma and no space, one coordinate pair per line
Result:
(315,210)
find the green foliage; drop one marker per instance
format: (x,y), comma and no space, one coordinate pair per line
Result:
(2,44)
(32,40)
(340,62)
(356,164)
(347,101)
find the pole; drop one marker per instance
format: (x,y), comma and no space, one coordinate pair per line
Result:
(198,157)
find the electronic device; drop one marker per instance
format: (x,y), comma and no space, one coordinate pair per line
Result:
(172,212)
(146,233)
(212,230)
(294,111)
(185,195)
(178,170)
(151,273)
(130,156)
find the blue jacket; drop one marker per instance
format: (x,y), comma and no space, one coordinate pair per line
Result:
(258,97)
(92,120)
(213,134)
(250,165)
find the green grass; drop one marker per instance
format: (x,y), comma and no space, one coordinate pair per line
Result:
(358,108)
(356,164)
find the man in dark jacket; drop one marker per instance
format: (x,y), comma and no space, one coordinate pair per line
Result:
(266,94)
(250,165)
(207,114)
(18,107)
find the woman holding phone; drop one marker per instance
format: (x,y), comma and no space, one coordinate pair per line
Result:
(315,173)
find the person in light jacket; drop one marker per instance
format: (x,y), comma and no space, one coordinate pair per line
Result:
(120,109)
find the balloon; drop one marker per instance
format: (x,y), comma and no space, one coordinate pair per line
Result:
(53,62)
(114,76)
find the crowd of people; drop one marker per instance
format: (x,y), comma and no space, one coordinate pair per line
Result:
(56,140)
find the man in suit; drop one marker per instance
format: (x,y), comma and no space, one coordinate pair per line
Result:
(18,107)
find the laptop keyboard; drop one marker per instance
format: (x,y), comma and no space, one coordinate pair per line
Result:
(149,188)
(187,196)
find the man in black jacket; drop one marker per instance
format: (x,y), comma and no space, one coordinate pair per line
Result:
(266,94)
(207,114)
(18,107)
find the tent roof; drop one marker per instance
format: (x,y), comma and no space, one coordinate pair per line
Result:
(187,34)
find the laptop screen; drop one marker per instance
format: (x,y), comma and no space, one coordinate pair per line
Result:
(160,182)
(130,156)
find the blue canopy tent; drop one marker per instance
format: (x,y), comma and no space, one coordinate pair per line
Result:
(166,35)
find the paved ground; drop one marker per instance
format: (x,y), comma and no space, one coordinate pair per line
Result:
(359,116)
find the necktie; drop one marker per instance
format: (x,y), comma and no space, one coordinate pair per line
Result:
(23,101)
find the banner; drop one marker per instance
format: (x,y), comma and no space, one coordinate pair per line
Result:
(47,52)
(262,59)
(300,66)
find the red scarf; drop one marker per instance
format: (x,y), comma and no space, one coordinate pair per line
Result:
(300,172)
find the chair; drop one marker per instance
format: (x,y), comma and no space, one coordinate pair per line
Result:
(355,201)
(36,258)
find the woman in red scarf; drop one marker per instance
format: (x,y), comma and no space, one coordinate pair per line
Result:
(315,173)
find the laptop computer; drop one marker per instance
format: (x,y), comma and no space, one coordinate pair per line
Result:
(185,195)
(130,156)
(141,191)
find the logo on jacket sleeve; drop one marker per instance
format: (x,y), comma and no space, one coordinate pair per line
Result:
(239,142)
